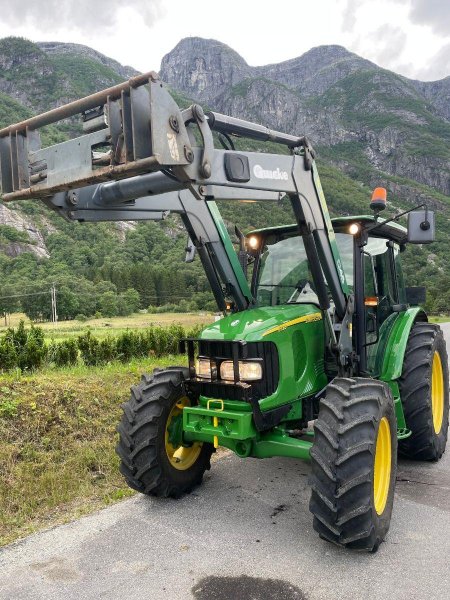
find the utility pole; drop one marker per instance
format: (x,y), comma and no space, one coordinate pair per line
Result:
(54,313)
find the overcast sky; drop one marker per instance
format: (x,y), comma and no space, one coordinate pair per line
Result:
(411,37)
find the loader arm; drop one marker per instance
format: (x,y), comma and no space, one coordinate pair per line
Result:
(139,158)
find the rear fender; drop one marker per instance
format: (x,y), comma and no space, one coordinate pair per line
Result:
(394,352)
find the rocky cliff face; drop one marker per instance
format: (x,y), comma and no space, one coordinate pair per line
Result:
(333,96)
(203,68)
(33,240)
(437,93)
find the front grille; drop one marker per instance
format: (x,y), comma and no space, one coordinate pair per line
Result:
(236,350)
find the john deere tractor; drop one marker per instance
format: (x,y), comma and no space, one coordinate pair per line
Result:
(318,326)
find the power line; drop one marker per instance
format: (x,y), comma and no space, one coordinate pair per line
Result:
(24,295)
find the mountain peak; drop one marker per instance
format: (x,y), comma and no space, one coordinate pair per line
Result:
(207,45)
(203,66)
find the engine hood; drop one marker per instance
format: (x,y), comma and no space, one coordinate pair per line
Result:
(257,323)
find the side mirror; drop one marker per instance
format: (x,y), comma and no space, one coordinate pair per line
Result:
(416,295)
(421,229)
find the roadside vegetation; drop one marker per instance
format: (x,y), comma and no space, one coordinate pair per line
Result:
(28,349)
(57,432)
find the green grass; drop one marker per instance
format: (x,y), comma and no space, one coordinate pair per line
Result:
(440,319)
(57,431)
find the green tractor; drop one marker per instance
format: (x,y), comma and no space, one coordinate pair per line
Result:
(318,326)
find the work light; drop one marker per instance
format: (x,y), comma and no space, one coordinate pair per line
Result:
(203,368)
(248,370)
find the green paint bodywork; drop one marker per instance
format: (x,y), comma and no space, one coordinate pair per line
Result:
(390,356)
(300,347)
(235,430)
(385,359)
(229,249)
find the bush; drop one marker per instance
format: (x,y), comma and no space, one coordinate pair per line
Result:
(95,352)
(26,349)
(8,355)
(129,344)
(81,318)
(22,348)
(162,340)
(64,353)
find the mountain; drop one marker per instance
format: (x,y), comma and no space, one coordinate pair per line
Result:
(40,76)
(343,102)
(370,127)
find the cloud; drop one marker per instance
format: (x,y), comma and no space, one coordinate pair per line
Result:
(438,66)
(388,43)
(83,15)
(435,13)
(349,15)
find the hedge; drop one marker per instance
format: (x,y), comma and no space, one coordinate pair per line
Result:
(25,349)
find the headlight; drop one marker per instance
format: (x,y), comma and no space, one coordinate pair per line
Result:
(203,368)
(248,371)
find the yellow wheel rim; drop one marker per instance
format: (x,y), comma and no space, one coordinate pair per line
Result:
(437,392)
(180,457)
(382,469)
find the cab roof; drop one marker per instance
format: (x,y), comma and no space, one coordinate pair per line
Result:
(391,231)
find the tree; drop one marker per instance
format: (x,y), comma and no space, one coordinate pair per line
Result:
(109,305)
(9,302)
(128,302)
(67,304)
(37,304)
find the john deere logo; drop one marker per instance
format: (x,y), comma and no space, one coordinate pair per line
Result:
(261,173)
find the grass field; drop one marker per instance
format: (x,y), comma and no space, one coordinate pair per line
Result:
(114,325)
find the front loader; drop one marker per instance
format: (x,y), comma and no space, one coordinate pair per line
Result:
(324,330)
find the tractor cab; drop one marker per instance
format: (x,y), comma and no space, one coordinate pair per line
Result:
(282,276)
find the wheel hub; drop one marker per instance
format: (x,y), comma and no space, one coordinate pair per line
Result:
(180,457)
(382,470)
(437,393)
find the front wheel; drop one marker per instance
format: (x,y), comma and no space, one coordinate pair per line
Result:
(154,459)
(354,463)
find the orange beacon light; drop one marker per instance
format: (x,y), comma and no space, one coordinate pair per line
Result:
(378,201)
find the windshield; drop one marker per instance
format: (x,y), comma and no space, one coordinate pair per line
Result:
(284,276)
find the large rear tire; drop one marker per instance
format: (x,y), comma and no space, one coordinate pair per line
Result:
(354,463)
(424,393)
(154,460)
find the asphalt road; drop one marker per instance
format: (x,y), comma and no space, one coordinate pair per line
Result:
(246,534)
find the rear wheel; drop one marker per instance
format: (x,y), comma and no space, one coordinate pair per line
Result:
(424,393)
(354,463)
(154,459)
